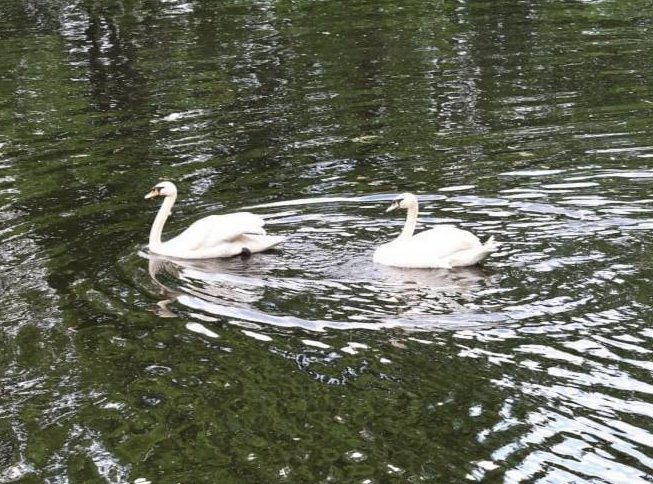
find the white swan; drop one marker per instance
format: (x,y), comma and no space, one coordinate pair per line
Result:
(209,237)
(444,246)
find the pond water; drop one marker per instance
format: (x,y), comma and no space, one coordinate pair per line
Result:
(528,121)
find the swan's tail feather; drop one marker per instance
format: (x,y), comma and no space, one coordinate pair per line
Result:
(261,243)
(490,244)
(275,240)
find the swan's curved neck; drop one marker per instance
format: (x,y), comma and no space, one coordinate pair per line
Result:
(411,222)
(160,220)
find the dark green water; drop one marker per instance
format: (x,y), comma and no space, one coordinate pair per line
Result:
(529,121)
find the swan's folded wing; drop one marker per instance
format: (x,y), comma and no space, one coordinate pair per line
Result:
(442,241)
(217,229)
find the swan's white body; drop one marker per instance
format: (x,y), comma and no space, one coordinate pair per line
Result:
(444,246)
(210,237)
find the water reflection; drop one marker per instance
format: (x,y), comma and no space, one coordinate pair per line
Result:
(159,265)
(207,279)
(360,295)
(529,122)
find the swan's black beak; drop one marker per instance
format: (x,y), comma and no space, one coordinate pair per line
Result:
(393,206)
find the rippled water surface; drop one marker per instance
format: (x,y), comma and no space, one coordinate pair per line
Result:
(528,121)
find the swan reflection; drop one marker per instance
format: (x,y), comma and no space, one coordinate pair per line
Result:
(355,294)
(210,280)
(155,266)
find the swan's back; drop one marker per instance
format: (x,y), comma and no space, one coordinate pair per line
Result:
(443,240)
(441,247)
(214,230)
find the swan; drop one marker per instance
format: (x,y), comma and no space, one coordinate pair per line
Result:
(209,237)
(444,246)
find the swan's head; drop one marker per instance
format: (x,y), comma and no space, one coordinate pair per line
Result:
(163,189)
(405,201)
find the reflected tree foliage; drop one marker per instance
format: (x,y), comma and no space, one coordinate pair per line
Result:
(256,102)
